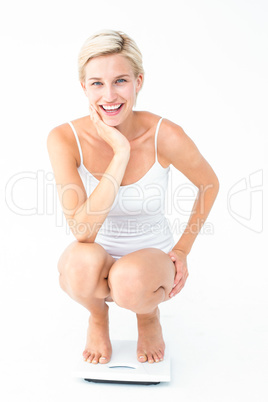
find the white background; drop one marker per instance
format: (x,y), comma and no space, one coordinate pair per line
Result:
(206,69)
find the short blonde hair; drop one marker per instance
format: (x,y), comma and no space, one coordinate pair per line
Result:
(110,42)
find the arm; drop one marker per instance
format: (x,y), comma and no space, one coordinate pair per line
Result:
(183,154)
(85,215)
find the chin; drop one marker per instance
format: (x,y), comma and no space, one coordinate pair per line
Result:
(111,121)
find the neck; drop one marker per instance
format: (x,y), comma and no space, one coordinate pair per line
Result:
(128,127)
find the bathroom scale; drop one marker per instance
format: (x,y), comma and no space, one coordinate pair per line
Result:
(124,368)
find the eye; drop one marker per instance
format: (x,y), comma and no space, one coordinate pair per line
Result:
(120,80)
(97,83)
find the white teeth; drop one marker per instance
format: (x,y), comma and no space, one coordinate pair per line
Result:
(112,107)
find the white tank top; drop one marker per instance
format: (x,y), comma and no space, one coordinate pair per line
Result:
(136,219)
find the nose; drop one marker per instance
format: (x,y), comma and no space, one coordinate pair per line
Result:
(109,95)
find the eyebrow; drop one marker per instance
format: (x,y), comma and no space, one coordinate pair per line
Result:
(119,76)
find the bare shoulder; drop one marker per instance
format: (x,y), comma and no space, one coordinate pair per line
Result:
(64,131)
(180,151)
(167,127)
(172,141)
(171,134)
(147,119)
(62,140)
(175,146)
(59,135)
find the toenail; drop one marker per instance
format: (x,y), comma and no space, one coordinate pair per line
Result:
(103,358)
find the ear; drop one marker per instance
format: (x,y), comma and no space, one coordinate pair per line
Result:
(139,83)
(83,87)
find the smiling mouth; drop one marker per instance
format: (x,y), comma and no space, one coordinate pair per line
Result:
(111,108)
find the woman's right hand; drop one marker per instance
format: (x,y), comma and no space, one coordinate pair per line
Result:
(111,135)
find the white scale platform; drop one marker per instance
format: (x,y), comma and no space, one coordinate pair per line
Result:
(125,368)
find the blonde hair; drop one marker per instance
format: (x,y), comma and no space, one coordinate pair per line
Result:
(110,42)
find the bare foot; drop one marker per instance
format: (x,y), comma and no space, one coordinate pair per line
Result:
(98,346)
(151,345)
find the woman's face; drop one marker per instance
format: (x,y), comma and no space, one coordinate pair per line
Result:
(111,87)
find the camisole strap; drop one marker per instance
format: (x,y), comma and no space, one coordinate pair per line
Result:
(78,143)
(155,139)
(79,146)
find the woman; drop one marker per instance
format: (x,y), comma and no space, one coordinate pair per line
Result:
(111,170)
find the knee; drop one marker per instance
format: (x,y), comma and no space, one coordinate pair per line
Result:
(127,285)
(146,276)
(80,266)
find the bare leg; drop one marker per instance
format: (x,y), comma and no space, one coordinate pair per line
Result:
(151,345)
(84,268)
(139,281)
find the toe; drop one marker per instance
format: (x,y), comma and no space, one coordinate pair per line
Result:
(90,358)
(103,360)
(160,355)
(96,358)
(142,357)
(150,358)
(86,354)
(156,357)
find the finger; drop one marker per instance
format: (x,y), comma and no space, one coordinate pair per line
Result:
(92,109)
(178,278)
(94,115)
(180,285)
(92,112)
(177,289)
